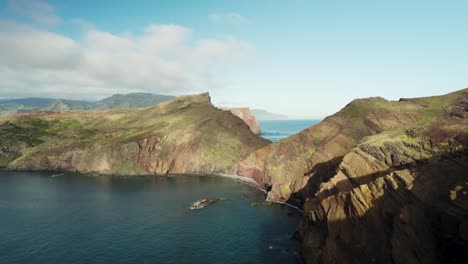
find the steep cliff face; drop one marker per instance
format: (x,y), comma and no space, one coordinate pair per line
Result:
(245,114)
(184,135)
(398,197)
(294,167)
(288,165)
(381,181)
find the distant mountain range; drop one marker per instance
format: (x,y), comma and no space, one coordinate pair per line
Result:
(117,101)
(261,114)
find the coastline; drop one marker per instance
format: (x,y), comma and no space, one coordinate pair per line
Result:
(242,179)
(237,178)
(144,211)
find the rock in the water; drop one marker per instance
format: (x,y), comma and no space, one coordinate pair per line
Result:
(199,204)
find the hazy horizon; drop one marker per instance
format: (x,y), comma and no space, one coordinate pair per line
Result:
(303,59)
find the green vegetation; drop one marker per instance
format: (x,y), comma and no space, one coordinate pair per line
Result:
(316,140)
(188,129)
(127,167)
(359,108)
(117,101)
(6,158)
(432,108)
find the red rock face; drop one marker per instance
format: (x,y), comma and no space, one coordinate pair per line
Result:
(246,115)
(252,173)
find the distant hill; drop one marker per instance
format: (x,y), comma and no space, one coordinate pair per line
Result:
(261,114)
(131,100)
(28,102)
(117,101)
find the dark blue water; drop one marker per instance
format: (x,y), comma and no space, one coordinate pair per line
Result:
(275,130)
(70,218)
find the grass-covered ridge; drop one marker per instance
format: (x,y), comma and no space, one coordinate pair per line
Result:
(187,134)
(301,160)
(116,101)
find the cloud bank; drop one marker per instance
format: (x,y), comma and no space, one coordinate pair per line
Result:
(164,58)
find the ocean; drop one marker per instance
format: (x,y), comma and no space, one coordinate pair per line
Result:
(275,130)
(56,217)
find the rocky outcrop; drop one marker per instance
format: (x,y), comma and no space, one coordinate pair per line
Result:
(398,197)
(379,181)
(184,135)
(245,114)
(294,167)
(291,164)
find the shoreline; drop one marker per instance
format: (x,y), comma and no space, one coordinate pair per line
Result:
(242,179)
(238,178)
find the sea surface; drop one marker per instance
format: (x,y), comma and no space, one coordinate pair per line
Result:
(55,217)
(275,130)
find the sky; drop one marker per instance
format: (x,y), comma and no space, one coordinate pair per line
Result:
(304,59)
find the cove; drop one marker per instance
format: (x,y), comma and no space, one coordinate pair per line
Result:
(59,217)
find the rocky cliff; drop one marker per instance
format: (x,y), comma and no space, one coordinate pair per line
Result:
(245,114)
(380,181)
(287,165)
(184,135)
(398,197)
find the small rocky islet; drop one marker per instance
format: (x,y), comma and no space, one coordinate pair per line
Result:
(379,181)
(199,204)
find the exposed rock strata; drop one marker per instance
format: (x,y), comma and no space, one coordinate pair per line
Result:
(288,165)
(395,199)
(381,181)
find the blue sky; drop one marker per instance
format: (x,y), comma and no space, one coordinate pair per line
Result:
(300,58)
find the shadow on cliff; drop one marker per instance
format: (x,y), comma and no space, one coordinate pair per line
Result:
(424,222)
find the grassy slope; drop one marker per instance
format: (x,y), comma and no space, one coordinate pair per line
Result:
(215,135)
(287,165)
(117,101)
(399,196)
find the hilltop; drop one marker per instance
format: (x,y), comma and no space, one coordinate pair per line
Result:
(184,135)
(116,101)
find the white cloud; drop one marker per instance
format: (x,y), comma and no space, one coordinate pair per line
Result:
(162,59)
(230,17)
(22,46)
(37,10)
